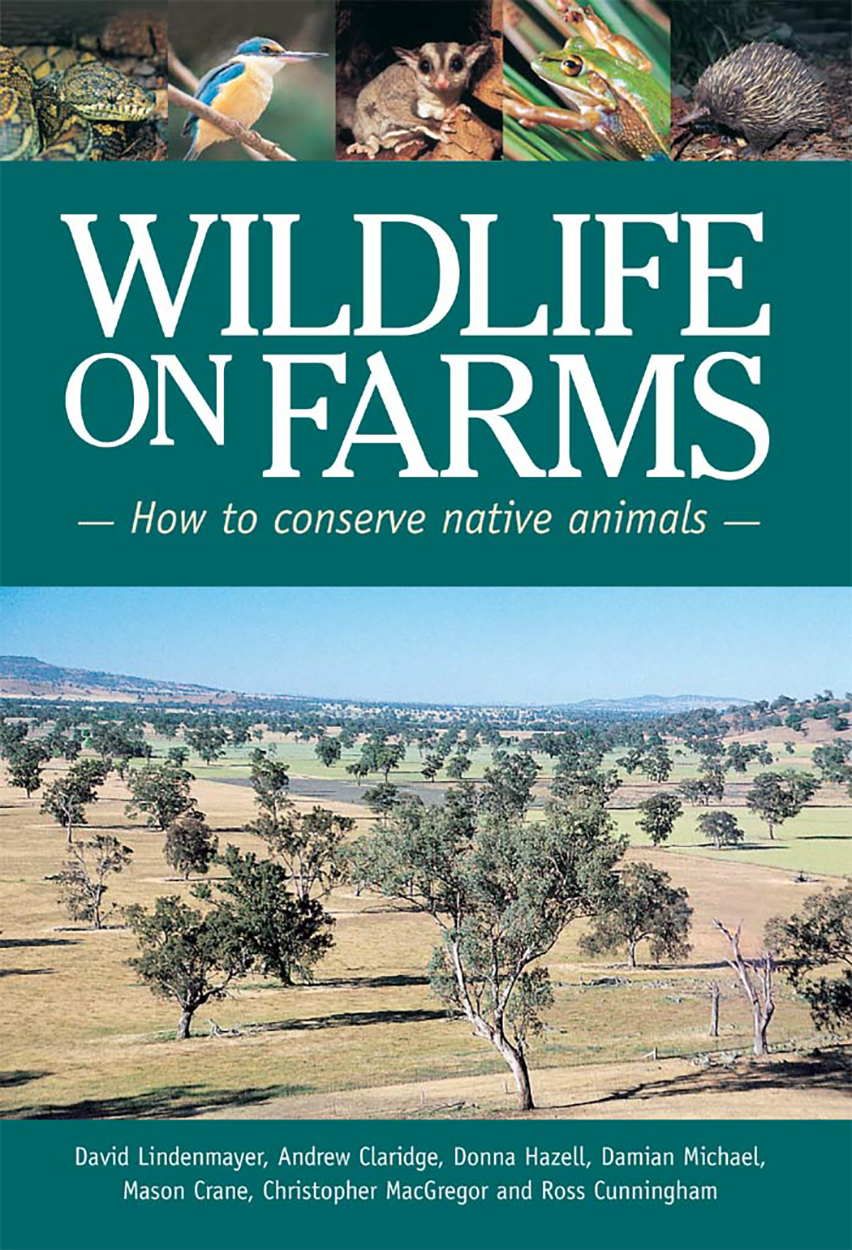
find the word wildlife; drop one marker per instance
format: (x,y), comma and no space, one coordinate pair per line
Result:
(576,238)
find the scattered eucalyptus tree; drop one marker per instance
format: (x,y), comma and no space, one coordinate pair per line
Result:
(819,937)
(191,845)
(778,796)
(659,813)
(644,907)
(162,792)
(721,828)
(501,891)
(252,922)
(83,880)
(67,798)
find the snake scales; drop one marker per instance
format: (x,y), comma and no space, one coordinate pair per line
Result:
(60,104)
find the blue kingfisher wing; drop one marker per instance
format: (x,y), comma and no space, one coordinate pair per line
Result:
(208,89)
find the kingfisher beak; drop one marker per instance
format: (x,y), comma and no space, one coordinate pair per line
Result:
(286,56)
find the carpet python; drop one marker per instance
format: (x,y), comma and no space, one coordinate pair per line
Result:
(58,104)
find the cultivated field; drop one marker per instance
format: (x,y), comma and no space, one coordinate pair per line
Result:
(81,1037)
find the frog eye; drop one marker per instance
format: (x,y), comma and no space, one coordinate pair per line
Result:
(572,66)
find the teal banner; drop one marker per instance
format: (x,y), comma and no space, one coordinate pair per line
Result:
(657,402)
(617,1185)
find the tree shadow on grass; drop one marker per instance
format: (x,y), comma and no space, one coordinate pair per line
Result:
(824,837)
(117,829)
(347,1019)
(392,908)
(370,983)
(813,1072)
(25,972)
(14,943)
(169,1102)
(20,1076)
(711,967)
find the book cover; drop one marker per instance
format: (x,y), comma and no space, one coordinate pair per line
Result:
(426,776)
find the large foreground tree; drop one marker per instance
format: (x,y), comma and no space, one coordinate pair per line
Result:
(501,891)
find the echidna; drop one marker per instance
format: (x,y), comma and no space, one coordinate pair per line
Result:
(764,92)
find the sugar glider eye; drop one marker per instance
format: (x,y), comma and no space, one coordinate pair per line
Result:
(425,66)
(457,63)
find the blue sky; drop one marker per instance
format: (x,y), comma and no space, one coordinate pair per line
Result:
(448,645)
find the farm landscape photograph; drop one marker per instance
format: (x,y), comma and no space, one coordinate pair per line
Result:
(340,853)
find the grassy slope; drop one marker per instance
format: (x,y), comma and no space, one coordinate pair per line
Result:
(819,840)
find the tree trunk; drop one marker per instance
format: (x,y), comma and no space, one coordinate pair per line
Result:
(631,954)
(714,1010)
(513,1055)
(758,991)
(516,1060)
(761,1025)
(184,1023)
(771,830)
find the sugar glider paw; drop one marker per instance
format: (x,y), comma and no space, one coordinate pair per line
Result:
(361,149)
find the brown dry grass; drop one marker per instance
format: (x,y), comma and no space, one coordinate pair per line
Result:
(80,1037)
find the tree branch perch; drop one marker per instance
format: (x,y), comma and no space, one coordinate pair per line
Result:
(186,78)
(248,138)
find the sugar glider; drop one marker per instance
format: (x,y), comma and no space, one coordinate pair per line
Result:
(416,96)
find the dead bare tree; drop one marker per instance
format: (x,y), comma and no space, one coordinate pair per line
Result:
(756,979)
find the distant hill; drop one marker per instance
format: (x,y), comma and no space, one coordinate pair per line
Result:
(25,675)
(661,703)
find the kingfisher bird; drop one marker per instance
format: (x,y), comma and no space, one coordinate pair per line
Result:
(240,88)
